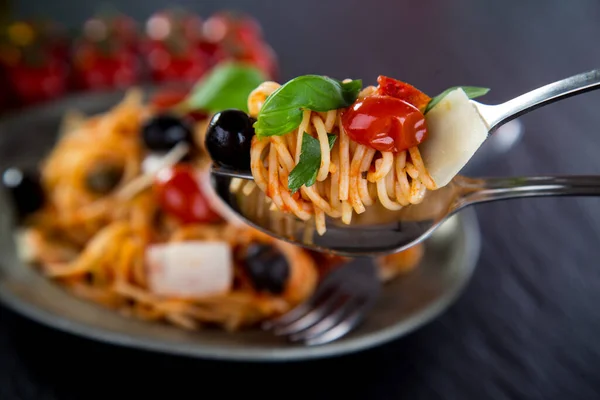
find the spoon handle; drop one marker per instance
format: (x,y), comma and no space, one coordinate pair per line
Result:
(472,191)
(497,115)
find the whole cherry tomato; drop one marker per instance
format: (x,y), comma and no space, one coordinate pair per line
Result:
(172,47)
(385,123)
(178,61)
(32,83)
(238,36)
(178,192)
(106,65)
(402,91)
(118,26)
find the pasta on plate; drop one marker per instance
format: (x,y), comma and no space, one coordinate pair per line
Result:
(128,221)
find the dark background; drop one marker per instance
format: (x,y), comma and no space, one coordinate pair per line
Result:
(527,325)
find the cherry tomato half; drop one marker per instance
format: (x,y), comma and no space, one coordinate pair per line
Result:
(385,123)
(178,192)
(402,91)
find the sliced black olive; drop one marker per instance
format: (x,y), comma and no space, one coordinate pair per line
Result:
(228,139)
(163,132)
(267,268)
(25,191)
(103,178)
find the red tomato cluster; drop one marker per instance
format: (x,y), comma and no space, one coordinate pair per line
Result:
(104,66)
(39,62)
(105,56)
(33,63)
(181,46)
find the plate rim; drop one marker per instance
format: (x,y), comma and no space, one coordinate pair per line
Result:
(472,251)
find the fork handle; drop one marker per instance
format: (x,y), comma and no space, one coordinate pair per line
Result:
(474,191)
(497,115)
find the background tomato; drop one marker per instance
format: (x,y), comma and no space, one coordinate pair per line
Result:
(32,62)
(104,65)
(238,36)
(40,61)
(106,54)
(32,83)
(170,62)
(172,47)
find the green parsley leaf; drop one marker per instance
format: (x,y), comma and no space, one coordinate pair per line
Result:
(282,111)
(471,91)
(305,172)
(227,86)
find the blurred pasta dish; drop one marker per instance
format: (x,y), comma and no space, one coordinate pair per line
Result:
(129,221)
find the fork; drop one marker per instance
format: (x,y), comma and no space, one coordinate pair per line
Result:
(338,305)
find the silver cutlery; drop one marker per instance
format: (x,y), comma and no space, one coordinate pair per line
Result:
(499,114)
(380,231)
(338,305)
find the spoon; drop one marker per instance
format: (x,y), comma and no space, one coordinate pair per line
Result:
(379,231)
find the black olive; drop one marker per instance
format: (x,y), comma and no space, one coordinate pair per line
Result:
(103,178)
(165,131)
(267,268)
(25,190)
(228,139)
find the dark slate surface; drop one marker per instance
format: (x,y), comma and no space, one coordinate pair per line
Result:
(526,327)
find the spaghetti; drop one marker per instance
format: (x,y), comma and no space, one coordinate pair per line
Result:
(95,244)
(351,176)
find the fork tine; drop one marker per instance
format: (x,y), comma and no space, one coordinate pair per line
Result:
(344,326)
(302,309)
(336,299)
(329,321)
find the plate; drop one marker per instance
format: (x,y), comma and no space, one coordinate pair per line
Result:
(406,304)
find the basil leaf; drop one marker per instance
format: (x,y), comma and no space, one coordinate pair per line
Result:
(471,91)
(282,111)
(226,86)
(305,172)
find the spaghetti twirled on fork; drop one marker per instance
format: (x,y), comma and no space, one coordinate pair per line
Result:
(351,176)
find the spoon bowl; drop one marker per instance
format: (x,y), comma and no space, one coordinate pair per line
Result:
(377,231)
